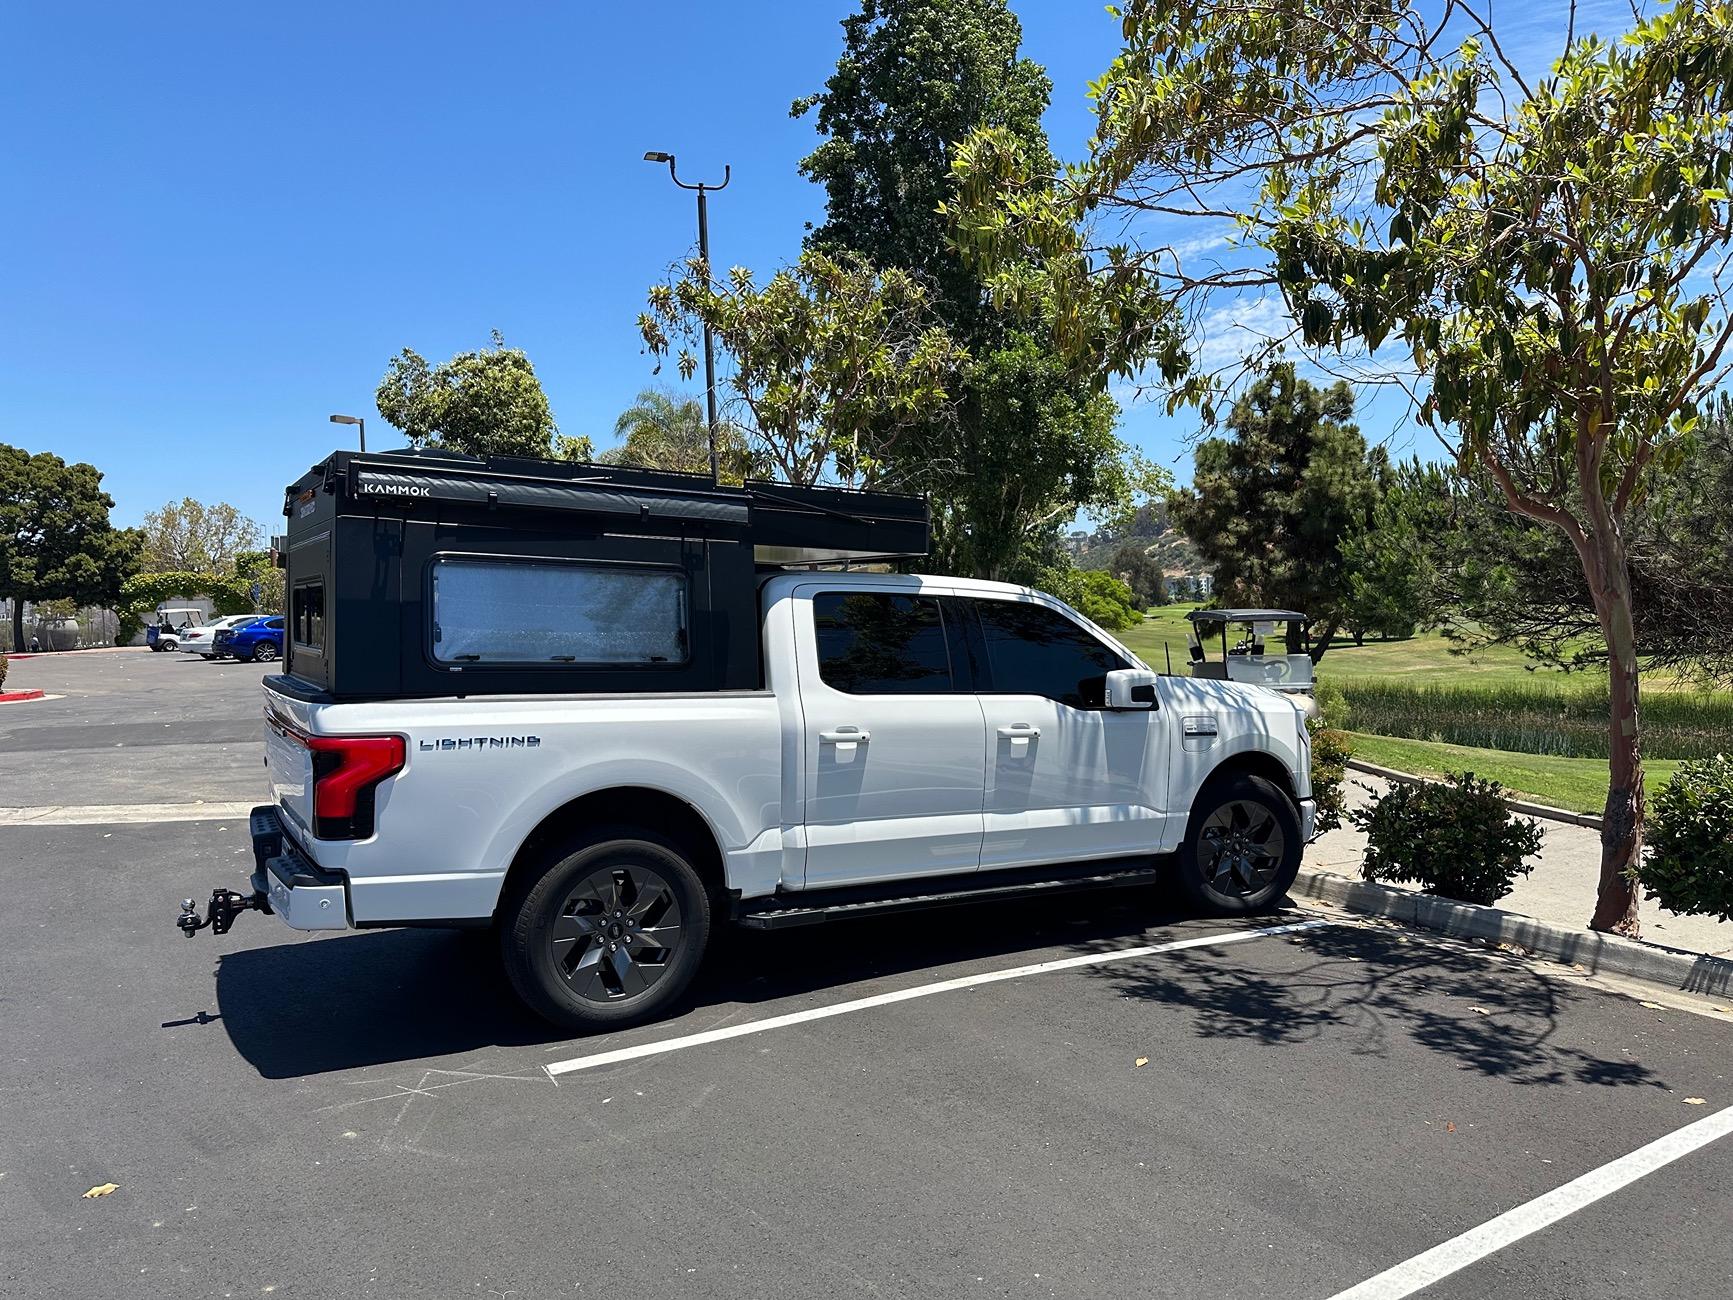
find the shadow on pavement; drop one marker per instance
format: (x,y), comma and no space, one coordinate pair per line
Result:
(382,996)
(1368,985)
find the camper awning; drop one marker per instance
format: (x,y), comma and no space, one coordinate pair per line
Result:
(610,500)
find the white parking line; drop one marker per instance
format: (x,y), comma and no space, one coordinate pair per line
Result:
(123,814)
(1513,1225)
(920,991)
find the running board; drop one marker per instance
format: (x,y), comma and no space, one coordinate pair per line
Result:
(812,907)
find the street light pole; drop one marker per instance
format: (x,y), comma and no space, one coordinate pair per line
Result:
(704,252)
(360,420)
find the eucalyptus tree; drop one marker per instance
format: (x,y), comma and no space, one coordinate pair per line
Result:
(1548,250)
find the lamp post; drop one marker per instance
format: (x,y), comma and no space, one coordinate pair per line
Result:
(353,419)
(702,189)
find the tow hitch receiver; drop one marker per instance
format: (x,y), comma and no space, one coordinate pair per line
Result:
(224,907)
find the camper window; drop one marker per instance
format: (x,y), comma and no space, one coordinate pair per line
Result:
(511,611)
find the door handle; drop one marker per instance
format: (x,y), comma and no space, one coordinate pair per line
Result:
(1020,733)
(845,736)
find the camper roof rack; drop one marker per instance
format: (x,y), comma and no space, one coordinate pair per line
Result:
(786,525)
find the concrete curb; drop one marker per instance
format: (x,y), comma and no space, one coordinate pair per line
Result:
(18,697)
(1674,968)
(1516,805)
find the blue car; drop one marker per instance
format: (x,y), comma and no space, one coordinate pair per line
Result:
(260,641)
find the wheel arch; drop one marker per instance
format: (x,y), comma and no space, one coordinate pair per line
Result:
(1253,762)
(643,807)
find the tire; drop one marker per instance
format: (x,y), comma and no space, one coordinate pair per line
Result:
(608,931)
(265,652)
(1242,849)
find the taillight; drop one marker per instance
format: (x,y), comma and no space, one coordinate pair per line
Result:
(346,770)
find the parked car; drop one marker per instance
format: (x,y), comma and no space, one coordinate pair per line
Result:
(260,641)
(202,641)
(165,633)
(564,703)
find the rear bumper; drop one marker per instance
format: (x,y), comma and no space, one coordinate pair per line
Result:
(302,893)
(1308,820)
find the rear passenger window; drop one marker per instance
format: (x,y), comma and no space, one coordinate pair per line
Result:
(1033,650)
(876,643)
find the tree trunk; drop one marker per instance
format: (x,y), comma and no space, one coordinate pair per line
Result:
(1622,818)
(18,624)
(1321,642)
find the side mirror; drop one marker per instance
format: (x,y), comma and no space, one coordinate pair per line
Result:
(1131,688)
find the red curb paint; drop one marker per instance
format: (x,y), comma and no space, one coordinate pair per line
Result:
(9,697)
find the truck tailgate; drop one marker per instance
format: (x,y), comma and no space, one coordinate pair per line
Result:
(289,771)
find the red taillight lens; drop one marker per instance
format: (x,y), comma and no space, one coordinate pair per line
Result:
(346,769)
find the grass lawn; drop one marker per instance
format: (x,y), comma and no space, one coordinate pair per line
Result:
(1579,784)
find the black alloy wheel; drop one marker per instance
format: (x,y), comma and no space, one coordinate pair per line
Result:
(607,928)
(1242,848)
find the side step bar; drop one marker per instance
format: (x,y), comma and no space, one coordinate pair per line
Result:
(783,911)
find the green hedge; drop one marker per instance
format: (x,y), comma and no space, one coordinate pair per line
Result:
(1570,722)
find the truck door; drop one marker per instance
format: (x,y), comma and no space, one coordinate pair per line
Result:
(1067,779)
(894,759)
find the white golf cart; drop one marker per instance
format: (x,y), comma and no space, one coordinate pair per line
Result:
(1260,647)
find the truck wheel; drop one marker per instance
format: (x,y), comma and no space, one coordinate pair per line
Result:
(609,932)
(1242,848)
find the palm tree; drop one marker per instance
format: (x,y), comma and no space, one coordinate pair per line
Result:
(662,430)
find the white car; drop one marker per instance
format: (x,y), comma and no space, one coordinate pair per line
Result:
(202,640)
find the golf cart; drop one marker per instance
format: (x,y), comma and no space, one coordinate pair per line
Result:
(1259,647)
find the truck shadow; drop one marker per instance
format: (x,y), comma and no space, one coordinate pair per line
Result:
(377,997)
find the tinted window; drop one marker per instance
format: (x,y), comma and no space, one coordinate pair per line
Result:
(1033,650)
(550,612)
(307,605)
(874,643)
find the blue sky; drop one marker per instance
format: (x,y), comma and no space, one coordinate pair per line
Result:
(219,222)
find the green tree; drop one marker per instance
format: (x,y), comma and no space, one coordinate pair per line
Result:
(1028,440)
(662,430)
(1100,597)
(1541,247)
(1503,578)
(1392,564)
(482,403)
(1272,507)
(834,360)
(56,542)
(254,569)
(573,446)
(190,535)
(1133,565)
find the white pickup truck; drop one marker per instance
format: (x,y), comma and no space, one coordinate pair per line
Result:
(916,741)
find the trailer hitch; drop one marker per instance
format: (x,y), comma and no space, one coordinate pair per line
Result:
(225,906)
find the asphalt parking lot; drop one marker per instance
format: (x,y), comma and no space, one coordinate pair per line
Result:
(370,1114)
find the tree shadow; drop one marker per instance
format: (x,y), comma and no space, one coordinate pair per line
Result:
(1367,986)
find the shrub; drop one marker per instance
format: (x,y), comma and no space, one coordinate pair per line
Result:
(1330,755)
(1689,864)
(2,670)
(1333,710)
(1456,838)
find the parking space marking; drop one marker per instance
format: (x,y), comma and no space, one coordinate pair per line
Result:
(123,814)
(1512,1226)
(920,991)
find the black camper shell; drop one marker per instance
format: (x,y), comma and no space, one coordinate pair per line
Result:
(429,574)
